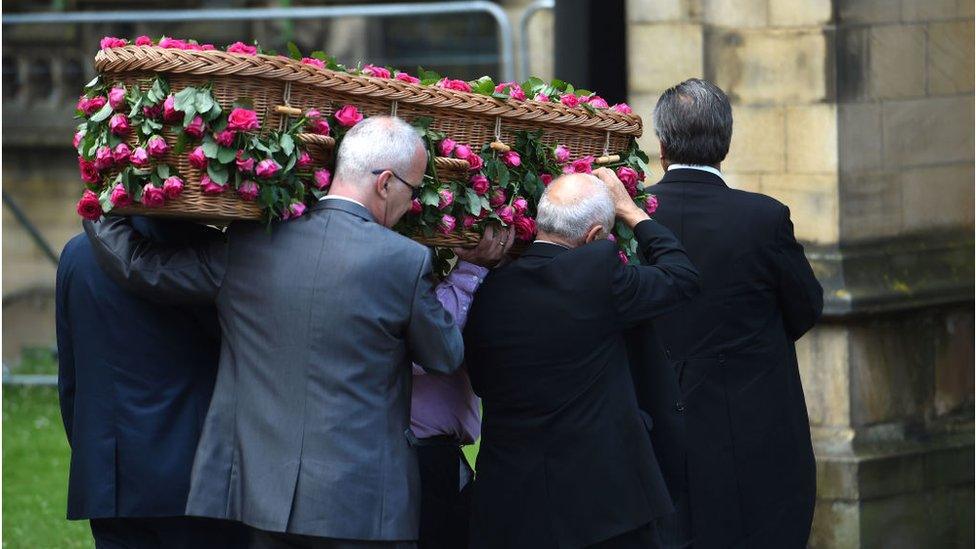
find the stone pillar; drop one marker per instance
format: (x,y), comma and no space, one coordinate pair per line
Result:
(857,114)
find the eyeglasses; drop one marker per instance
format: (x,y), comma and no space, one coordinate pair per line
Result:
(414,190)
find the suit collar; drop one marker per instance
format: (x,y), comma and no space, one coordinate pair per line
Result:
(347,206)
(544,249)
(688,175)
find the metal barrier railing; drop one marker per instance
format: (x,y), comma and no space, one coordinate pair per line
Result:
(524,19)
(415,9)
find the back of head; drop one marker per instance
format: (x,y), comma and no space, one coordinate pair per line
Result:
(376,143)
(693,121)
(572,205)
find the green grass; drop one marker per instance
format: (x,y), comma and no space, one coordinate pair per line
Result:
(35,472)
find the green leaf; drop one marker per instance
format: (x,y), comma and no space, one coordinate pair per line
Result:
(218,173)
(184,98)
(226,155)
(204,101)
(162,170)
(503,175)
(181,143)
(429,197)
(293,51)
(474,201)
(209,147)
(190,114)
(484,86)
(93,83)
(428,77)
(105,199)
(102,113)
(320,55)
(287,144)
(623,231)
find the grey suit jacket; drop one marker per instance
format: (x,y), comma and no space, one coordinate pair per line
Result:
(320,320)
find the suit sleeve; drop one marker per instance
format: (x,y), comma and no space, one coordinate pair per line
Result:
(432,335)
(666,280)
(799,293)
(66,355)
(191,273)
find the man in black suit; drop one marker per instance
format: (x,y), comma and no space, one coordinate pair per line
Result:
(135,380)
(751,478)
(565,457)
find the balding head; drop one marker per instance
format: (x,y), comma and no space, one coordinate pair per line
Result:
(379,143)
(572,207)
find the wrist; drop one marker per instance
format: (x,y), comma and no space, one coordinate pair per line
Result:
(632,216)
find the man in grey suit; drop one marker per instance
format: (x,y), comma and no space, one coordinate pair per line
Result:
(305,439)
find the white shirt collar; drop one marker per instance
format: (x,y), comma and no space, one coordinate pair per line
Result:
(708,169)
(331,197)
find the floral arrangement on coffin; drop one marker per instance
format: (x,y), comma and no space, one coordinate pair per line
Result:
(126,135)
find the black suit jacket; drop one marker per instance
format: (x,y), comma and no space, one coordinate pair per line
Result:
(565,458)
(135,380)
(751,471)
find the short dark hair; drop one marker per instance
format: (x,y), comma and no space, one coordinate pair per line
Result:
(693,121)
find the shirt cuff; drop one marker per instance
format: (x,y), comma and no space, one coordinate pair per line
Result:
(465,268)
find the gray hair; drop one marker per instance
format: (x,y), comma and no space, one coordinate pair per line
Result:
(693,121)
(571,219)
(377,143)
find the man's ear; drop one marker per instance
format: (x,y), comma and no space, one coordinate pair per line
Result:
(382,184)
(664,160)
(593,234)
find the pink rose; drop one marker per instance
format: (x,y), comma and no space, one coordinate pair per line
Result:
(446,146)
(498,197)
(447,224)
(512,159)
(546,179)
(90,106)
(153,196)
(112,42)
(121,153)
(475,162)
(209,187)
(172,187)
(524,228)
(447,198)
(119,124)
(304,160)
(170,114)
(462,151)
(348,116)
(583,165)
(456,85)
(152,112)
(208,47)
(116,98)
(225,138)
(89,174)
(628,176)
(172,43)
(241,47)
(323,178)
(506,214)
(89,206)
(622,257)
(296,209)
(376,72)
(104,158)
(198,159)
(561,153)
(541,97)
(319,126)
(611,237)
(244,165)
(468,221)
(313,61)
(570,100)
(650,206)
(521,205)
(248,190)
(144,41)
(416,207)
(79,135)
(514,90)
(195,129)
(622,108)
(119,197)
(139,157)
(157,146)
(479,184)
(404,77)
(267,169)
(244,120)
(598,102)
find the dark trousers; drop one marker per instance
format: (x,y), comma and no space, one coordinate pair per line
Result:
(645,537)
(262,539)
(445,495)
(167,533)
